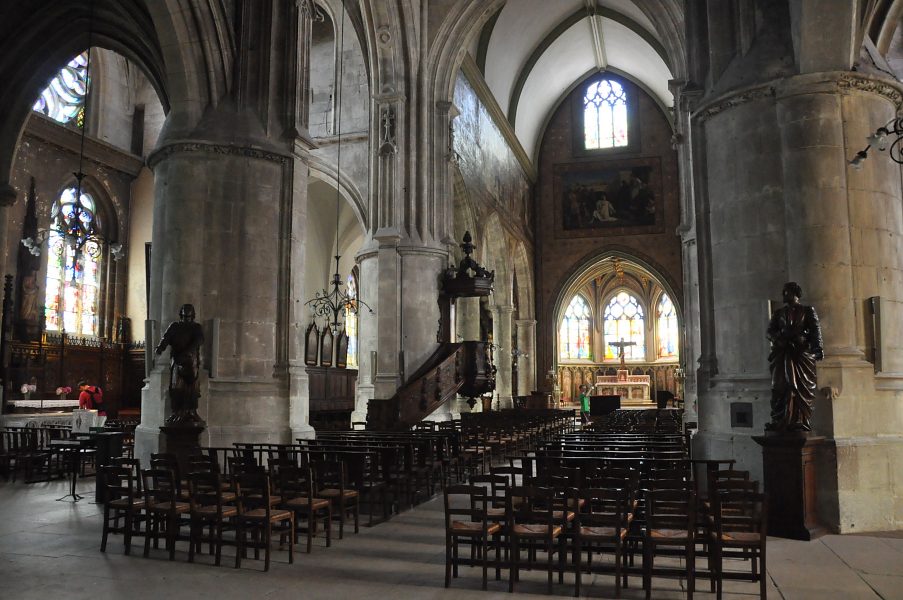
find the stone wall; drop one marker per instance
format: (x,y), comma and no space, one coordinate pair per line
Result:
(559,252)
(45,154)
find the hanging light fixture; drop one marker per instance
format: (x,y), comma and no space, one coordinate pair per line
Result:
(74,224)
(880,139)
(334,303)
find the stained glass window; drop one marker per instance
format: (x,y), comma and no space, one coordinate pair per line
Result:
(351,325)
(73,286)
(64,98)
(573,335)
(667,328)
(623,318)
(604,115)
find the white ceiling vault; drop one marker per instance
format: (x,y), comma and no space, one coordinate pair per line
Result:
(536,51)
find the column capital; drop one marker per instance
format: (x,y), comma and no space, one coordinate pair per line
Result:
(525,323)
(503,308)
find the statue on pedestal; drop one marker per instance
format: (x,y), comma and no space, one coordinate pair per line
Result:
(796,344)
(185,338)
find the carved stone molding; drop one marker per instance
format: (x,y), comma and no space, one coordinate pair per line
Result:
(836,82)
(211,148)
(738,99)
(310,10)
(387,140)
(853,82)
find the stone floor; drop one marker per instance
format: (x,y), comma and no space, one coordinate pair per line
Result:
(50,549)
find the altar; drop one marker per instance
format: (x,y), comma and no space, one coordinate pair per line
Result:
(634,390)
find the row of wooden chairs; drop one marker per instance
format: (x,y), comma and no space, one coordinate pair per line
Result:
(28,450)
(664,510)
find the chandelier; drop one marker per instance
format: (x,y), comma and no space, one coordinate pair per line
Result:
(892,130)
(75,225)
(336,302)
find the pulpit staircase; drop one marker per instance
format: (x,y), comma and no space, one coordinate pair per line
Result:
(454,368)
(463,368)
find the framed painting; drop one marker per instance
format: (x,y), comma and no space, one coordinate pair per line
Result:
(609,198)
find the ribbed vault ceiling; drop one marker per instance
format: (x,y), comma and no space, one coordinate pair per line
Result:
(538,50)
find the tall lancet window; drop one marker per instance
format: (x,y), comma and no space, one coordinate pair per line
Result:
(573,334)
(623,318)
(667,328)
(604,115)
(73,286)
(351,324)
(64,97)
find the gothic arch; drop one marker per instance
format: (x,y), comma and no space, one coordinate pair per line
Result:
(567,285)
(39,39)
(326,172)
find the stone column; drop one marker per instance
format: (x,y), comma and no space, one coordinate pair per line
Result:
(797,212)
(299,315)
(501,333)
(526,362)
(221,216)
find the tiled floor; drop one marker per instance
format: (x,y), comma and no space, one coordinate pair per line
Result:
(50,549)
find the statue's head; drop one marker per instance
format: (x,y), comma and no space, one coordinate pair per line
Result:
(792,290)
(186,313)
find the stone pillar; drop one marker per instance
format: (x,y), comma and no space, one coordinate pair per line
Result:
(299,315)
(221,242)
(526,363)
(691,340)
(501,333)
(796,211)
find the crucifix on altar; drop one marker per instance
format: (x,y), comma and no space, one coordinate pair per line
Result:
(620,346)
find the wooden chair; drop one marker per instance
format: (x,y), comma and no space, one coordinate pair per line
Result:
(169,462)
(741,523)
(534,516)
(670,521)
(469,503)
(332,485)
(257,516)
(208,507)
(163,509)
(296,487)
(122,501)
(602,521)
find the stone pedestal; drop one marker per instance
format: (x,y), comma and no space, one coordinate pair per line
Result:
(790,479)
(181,440)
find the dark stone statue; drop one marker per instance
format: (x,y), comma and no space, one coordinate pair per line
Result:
(796,345)
(185,338)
